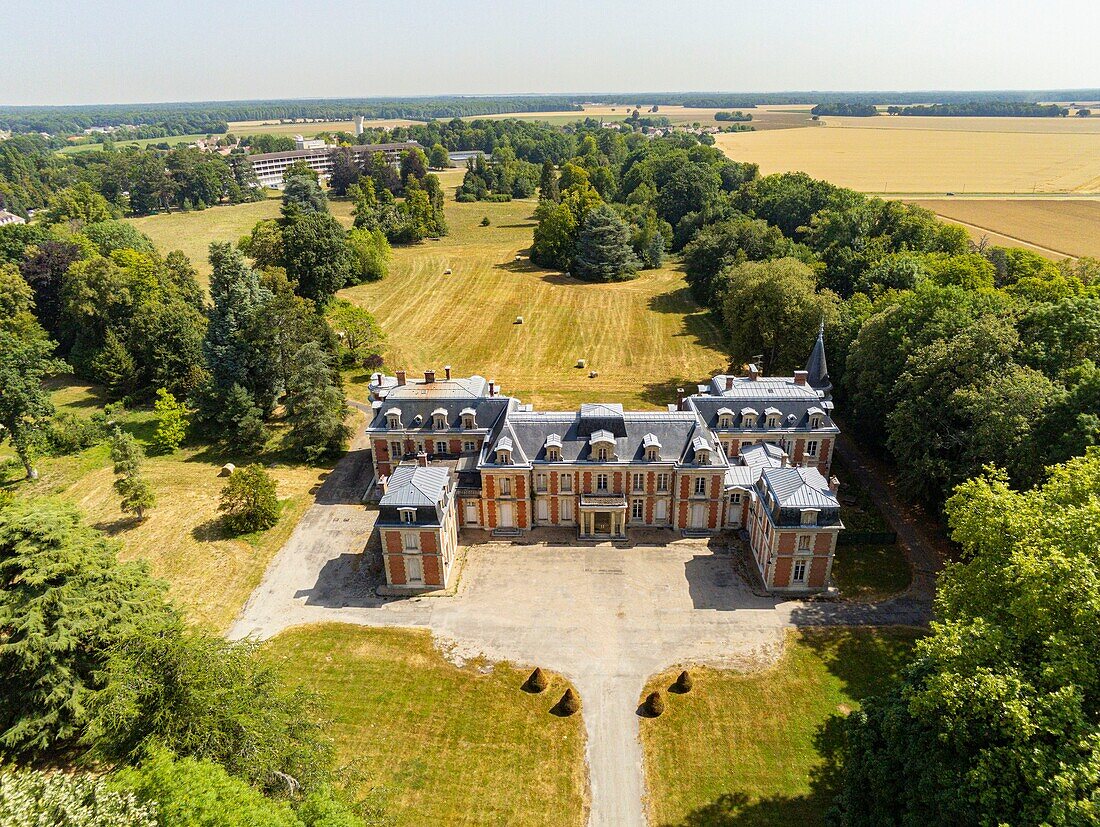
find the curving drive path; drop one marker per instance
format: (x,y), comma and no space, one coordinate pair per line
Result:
(606,617)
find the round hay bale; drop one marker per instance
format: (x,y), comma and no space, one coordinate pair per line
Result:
(683,683)
(568,705)
(592,374)
(447,272)
(519,320)
(581,363)
(227,469)
(654,705)
(536,682)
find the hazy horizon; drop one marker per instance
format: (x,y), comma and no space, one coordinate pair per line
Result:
(77,52)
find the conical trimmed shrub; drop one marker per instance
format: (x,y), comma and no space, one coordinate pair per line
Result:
(683,683)
(654,705)
(568,705)
(536,682)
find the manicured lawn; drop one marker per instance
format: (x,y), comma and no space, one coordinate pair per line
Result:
(441,745)
(755,749)
(871,572)
(644,338)
(209,573)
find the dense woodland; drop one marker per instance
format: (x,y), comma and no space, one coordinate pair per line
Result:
(846,108)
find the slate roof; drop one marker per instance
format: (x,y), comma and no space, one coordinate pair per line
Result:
(753,462)
(799,488)
(788,401)
(632,431)
(816,366)
(453,397)
(410,486)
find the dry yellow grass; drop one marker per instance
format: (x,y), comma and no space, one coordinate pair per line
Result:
(1057,227)
(193,232)
(643,337)
(906,157)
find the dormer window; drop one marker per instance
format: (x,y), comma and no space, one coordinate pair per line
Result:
(809,517)
(817,417)
(702,450)
(651,455)
(553,448)
(468,417)
(725,418)
(773,417)
(408,515)
(652,447)
(602,446)
(439,419)
(749,417)
(393,418)
(504,451)
(702,457)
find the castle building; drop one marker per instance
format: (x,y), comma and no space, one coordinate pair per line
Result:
(743,453)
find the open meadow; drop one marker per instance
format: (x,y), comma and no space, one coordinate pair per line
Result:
(763,118)
(915,155)
(440,744)
(209,572)
(193,232)
(1055,227)
(644,338)
(757,749)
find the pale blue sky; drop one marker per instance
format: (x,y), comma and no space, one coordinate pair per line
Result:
(107,51)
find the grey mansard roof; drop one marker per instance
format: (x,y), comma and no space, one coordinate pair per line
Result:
(673,432)
(790,400)
(410,486)
(799,488)
(417,402)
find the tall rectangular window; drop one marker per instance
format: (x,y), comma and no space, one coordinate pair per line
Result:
(700,486)
(601,482)
(799,573)
(540,482)
(639,482)
(412,541)
(811,448)
(636,509)
(441,447)
(662,482)
(505,486)
(395,450)
(804,541)
(565,482)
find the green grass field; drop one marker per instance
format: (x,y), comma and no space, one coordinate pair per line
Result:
(441,745)
(756,749)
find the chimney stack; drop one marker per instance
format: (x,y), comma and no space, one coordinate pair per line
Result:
(492,387)
(447,371)
(384,483)
(783,460)
(422,459)
(400,377)
(429,376)
(834,484)
(729,383)
(679,399)
(800,377)
(754,371)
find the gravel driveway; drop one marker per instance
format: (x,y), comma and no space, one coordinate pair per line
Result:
(605,616)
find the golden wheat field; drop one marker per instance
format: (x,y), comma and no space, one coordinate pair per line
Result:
(909,155)
(1056,227)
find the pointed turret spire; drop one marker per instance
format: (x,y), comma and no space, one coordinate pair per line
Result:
(816,366)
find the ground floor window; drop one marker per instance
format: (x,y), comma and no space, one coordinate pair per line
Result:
(543,510)
(661,511)
(566,510)
(799,573)
(636,509)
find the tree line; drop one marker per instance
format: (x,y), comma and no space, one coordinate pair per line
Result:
(845,108)
(133,181)
(983,108)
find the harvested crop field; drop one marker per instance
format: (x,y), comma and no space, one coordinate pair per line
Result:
(907,156)
(1060,227)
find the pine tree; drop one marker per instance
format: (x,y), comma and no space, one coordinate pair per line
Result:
(126,453)
(603,248)
(548,183)
(315,405)
(137,495)
(114,366)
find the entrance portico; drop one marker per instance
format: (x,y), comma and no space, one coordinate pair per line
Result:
(603,516)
